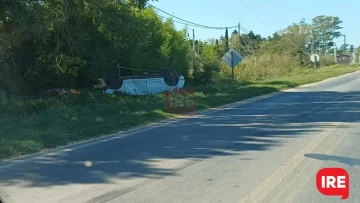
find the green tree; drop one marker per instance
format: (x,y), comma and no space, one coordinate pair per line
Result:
(20,26)
(139,3)
(325,29)
(344,47)
(290,41)
(226,40)
(209,62)
(71,43)
(247,44)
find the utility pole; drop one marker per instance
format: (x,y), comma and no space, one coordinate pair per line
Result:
(232,66)
(312,43)
(352,54)
(344,49)
(194,54)
(198,49)
(335,59)
(239,36)
(313,47)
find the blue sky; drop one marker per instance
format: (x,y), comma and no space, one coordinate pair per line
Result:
(262,16)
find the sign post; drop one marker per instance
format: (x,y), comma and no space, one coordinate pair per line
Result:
(232,59)
(232,66)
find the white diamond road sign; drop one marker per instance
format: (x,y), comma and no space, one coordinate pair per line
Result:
(232,58)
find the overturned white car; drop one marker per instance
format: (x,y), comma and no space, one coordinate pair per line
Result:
(163,81)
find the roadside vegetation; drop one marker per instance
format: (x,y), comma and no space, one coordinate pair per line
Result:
(72,43)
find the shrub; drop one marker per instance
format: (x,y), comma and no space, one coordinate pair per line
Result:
(208,73)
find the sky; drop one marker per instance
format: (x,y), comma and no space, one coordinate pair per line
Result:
(263,17)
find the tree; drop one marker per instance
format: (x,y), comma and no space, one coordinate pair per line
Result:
(234,41)
(247,44)
(351,49)
(325,29)
(20,24)
(209,63)
(344,47)
(254,40)
(139,3)
(292,41)
(226,40)
(48,44)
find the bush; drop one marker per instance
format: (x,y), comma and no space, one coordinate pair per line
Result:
(208,73)
(265,66)
(326,61)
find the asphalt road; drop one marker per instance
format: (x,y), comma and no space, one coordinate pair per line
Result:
(267,150)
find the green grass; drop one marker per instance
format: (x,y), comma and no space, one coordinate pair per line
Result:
(29,125)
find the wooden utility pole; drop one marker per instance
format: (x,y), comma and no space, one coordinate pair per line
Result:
(335,58)
(239,27)
(194,54)
(312,43)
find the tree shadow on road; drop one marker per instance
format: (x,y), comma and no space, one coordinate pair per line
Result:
(161,151)
(340,159)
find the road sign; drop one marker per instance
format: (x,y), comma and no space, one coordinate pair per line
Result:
(232,58)
(314,58)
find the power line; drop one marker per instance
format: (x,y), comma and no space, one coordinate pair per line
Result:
(246,38)
(187,24)
(231,17)
(193,24)
(204,26)
(246,48)
(229,14)
(265,8)
(261,19)
(248,44)
(248,51)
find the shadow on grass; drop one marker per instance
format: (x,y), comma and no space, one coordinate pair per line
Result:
(284,84)
(235,94)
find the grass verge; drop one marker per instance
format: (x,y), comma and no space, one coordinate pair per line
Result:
(29,125)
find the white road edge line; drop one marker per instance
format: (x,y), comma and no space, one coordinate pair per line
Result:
(297,183)
(270,183)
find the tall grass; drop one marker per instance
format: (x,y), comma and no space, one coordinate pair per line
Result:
(262,67)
